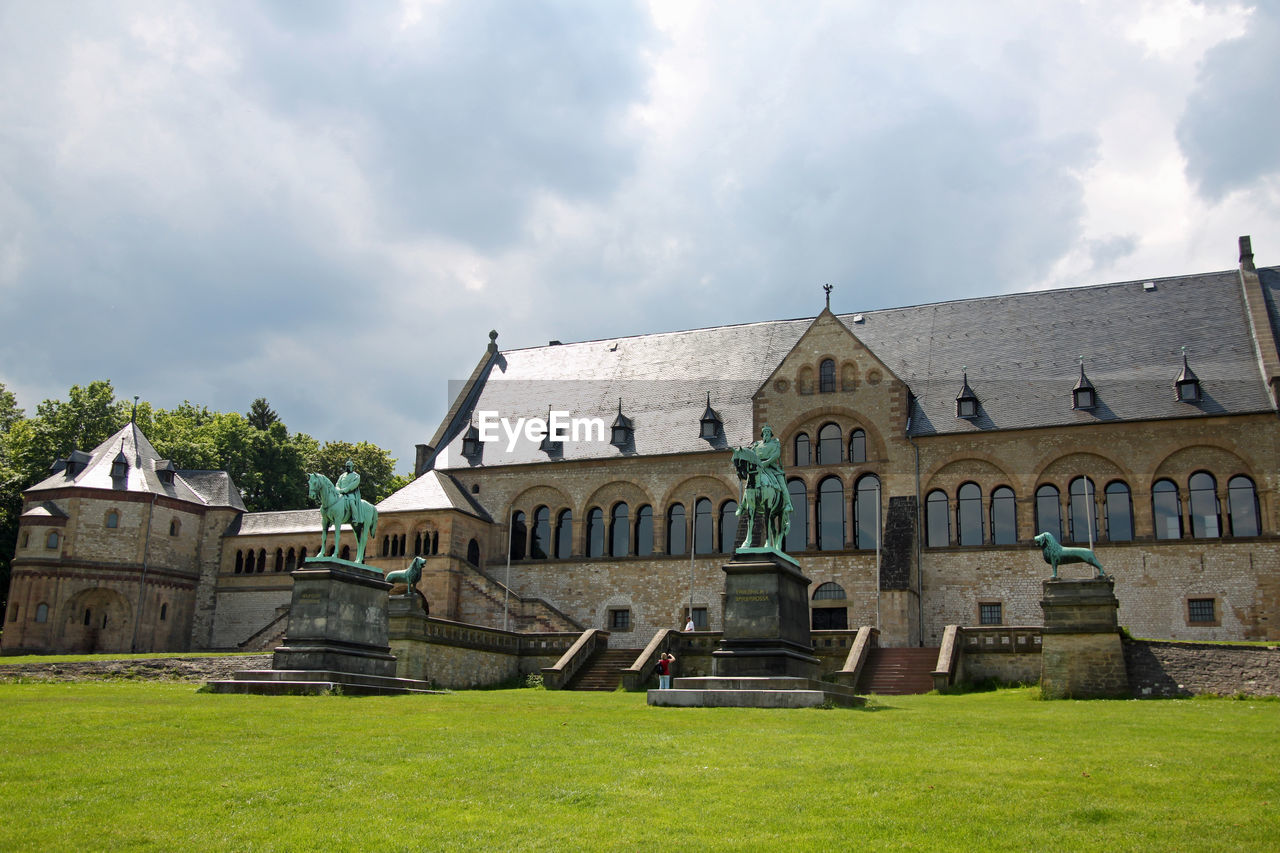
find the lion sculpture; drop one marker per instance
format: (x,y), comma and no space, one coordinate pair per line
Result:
(1054,554)
(409,577)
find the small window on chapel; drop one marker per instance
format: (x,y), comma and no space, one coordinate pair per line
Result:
(174,527)
(51,541)
(113,520)
(826,376)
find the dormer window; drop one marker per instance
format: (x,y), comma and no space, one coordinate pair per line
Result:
(119,466)
(471,444)
(623,431)
(76,462)
(1084,397)
(165,470)
(549,445)
(1187,386)
(710,424)
(967,401)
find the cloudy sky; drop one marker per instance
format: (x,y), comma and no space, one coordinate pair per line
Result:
(331,204)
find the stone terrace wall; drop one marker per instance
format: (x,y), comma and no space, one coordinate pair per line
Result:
(1159,669)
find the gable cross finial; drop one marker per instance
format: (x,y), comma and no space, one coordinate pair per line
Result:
(828,288)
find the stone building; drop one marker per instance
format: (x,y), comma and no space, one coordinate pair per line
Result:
(925,446)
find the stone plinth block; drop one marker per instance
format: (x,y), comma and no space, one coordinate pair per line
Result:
(1081,653)
(337,621)
(766,620)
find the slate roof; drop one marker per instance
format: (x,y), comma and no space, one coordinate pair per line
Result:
(283,521)
(206,488)
(433,490)
(1022,352)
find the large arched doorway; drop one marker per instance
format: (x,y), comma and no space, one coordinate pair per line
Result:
(97,620)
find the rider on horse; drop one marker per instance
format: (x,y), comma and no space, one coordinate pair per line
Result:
(769,451)
(348,486)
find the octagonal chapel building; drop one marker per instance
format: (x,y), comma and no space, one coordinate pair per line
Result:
(924,448)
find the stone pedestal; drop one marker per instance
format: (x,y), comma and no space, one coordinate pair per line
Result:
(766,620)
(337,621)
(1081,652)
(336,641)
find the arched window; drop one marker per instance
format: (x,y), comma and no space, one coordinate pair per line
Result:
(164,610)
(174,526)
(644,531)
(969,514)
(827,376)
(291,560)
(113,519)
(346,554)
(417,544)
(858,446)
(42,612)
(829,591)
(1205,513)
(619,531)
(248,561)
(51,541)
(829,445)
(937,519)
(386,546)
(798,535)
(802,449)
(831,514)
(675,529)
(435,542)
(1048,511)
(728,526)
(703,535)
(866,512)
(473,553)
(1119,512)
(1242,507)
(564,534)
(239,561)
(519,535)
(1083,510)
(541,540)
(262,560)
(279,566)
(1004,516)
(302,555)
(595,532)
(1166,509)
(403,538)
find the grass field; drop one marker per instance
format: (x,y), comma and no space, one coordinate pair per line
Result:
(159,766)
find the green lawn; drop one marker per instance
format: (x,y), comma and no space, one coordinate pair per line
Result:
(159,766)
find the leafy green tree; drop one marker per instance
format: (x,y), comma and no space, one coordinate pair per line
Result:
(261,416)
(10,492)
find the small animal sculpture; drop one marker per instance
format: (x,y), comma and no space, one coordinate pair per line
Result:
(409,577)
(1054,554)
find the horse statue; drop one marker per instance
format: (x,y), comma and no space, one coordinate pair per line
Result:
(761,493)
(334,511)
(1055,553)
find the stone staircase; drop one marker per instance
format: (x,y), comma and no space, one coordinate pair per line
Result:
(604,670)
(898,672)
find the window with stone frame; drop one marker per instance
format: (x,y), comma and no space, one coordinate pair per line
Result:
(937,519)
(620,619)
(990,613)
(1202,611)
(1242,506)
(1004,516)
(699,618)
(1166,510)
(803,450)
(1119,512)
(826,376)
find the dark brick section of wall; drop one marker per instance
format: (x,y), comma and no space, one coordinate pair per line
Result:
(1158,670)
(899,543)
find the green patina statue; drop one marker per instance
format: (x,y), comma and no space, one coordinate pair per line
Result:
(1054,554)
(764,491)
(341,504)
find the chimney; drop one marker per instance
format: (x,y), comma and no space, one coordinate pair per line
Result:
(1246,254)
(420,460)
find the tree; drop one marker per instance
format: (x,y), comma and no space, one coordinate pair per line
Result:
(261,416)
(10,493)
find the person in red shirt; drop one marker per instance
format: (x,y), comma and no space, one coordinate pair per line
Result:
(664,670)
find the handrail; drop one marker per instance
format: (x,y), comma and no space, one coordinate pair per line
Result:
(557,676)
(866,640)
(635,676)
(521,599)
(282,612)
(946,670)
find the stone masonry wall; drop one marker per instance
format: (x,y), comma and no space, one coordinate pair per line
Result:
(1182,669)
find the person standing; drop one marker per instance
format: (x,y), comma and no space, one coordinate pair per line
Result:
(664,670)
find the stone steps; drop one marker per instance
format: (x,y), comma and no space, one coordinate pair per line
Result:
(604,670)
(898,672)
(313,682)
(753,692)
